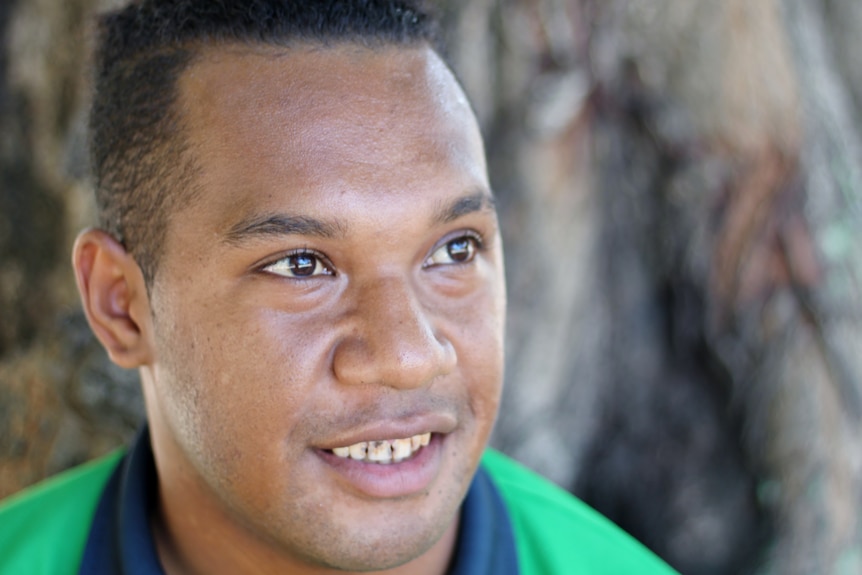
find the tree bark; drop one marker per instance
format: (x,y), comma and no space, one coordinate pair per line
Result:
(61,401)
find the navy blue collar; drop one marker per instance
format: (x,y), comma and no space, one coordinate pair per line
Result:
(121,543)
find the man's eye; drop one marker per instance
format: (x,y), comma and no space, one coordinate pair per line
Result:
(458,251)
(299,265)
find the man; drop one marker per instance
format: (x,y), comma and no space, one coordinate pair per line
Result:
(298,249)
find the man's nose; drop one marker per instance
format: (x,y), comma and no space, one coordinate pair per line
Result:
(391,339)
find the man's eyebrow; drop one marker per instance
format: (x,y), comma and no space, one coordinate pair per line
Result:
(478,201)
(280,225)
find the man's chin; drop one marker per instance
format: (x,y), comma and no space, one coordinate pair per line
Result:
(401,541)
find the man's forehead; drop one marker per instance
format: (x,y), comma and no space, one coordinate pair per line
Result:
(315,69)
(309,117)
(321,95)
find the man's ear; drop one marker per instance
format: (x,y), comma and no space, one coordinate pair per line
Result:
(114,296)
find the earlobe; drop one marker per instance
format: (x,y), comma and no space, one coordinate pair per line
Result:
(114,297)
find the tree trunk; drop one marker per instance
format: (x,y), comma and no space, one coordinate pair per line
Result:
(61,401)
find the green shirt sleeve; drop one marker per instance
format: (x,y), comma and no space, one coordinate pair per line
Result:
(557,534)
(43,529)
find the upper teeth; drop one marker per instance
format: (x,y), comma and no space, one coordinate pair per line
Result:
(385,451)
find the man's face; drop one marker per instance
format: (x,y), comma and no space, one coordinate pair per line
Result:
(337,280)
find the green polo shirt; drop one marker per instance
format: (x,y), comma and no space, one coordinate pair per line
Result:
(44,529)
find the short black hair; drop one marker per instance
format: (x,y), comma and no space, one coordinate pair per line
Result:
(140,162)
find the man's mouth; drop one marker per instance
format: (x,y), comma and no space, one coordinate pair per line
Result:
(386,451)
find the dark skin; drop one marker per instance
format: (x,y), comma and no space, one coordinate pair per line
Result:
(337,279)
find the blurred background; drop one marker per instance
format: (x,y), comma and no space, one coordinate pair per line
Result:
(679,185)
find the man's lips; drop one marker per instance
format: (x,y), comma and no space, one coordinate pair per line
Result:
(409,476)
(389,459)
